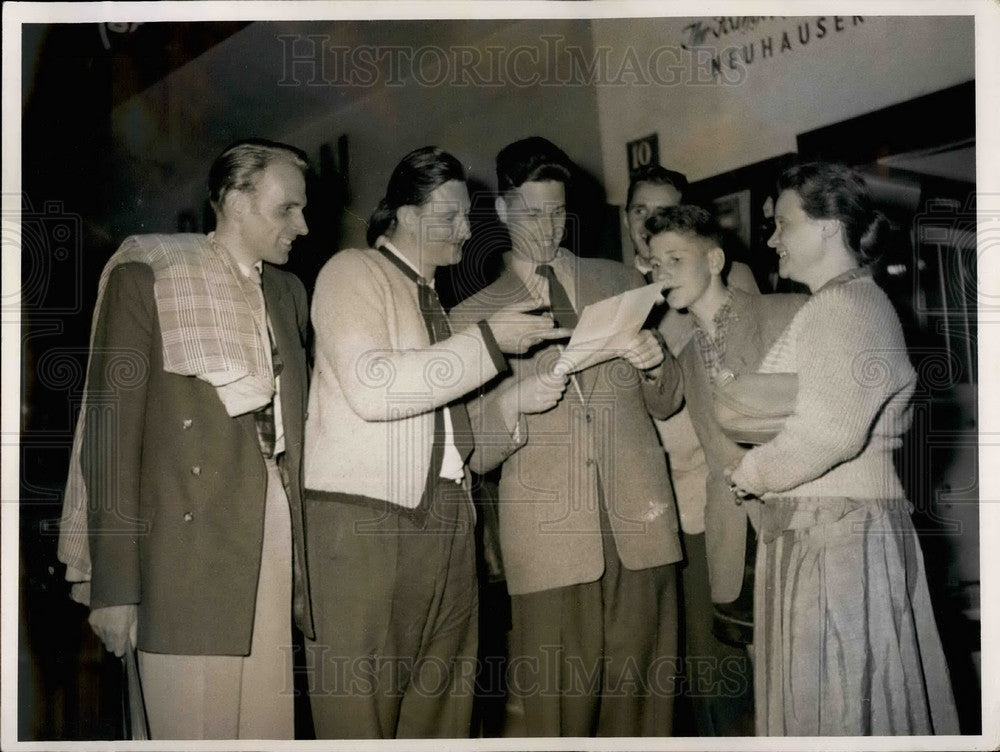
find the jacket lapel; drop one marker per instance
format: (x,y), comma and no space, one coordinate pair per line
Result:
(743,340)
(509,289)
(587,292)
(285,331)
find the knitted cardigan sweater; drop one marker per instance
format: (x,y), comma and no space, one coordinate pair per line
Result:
(855,382)
(377,381)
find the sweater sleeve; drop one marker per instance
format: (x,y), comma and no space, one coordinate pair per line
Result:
(848,364)
(380,380)
(496,438)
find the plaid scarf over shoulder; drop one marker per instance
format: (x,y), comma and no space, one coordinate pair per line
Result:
(213,326)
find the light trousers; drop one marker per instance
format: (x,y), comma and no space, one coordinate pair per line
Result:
(235,697)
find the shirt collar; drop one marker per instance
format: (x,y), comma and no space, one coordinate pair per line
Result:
(245,270)
(525,269)
(404,264)
(725,314)
(248,271)
(722,318)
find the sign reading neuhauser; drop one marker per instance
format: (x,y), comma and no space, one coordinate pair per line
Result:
(750,39)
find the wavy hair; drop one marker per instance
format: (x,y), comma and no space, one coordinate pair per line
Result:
(417,175)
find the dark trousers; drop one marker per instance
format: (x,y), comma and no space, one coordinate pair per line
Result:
(718,689)
(395,604)
(598,658)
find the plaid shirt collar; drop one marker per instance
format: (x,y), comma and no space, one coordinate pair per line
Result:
(713,349)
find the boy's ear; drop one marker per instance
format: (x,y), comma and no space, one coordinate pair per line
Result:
(500,204)
(716,260)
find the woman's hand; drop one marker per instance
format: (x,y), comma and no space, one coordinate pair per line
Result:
(738,485)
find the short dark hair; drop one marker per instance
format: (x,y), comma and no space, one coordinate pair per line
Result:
(686,219)
(532,160)
(834,191)
(239,164)
(417,175)
(655,175)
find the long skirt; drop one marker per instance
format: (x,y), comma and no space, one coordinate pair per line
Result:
(845,641)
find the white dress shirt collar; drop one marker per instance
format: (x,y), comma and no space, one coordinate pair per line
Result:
(564,266)
(384,242)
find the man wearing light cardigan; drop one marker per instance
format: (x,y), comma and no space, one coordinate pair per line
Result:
(389,518)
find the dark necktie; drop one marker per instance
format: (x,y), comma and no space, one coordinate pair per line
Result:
(439,329)
(562,309)
(264,417)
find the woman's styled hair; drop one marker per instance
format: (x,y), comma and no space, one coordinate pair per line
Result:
(417,175)
(237,167)
(833,191)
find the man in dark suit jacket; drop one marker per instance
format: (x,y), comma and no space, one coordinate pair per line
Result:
(588,527)
(190,453)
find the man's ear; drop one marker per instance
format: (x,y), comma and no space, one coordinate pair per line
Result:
(407,217)
(716,260)
(236,203)
(500,204)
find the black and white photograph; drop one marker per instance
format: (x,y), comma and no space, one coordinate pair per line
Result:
(482,375)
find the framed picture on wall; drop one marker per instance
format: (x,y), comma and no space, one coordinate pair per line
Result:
(733,213)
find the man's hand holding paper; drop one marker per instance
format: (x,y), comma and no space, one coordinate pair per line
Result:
(612,328)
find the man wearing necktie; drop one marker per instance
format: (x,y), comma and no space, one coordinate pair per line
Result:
(186,469)
(588,527)
(389,518)
(729,542)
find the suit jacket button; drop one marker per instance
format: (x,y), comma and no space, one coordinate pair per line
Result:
(188,516)
(187,423)
(196,470)
(590,417)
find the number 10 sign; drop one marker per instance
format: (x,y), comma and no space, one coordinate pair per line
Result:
(643,152)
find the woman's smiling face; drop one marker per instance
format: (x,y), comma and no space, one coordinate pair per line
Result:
(797,238)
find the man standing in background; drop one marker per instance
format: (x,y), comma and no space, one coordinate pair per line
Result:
(705,711)
(649,188)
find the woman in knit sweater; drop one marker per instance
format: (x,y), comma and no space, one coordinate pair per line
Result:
(845,640)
